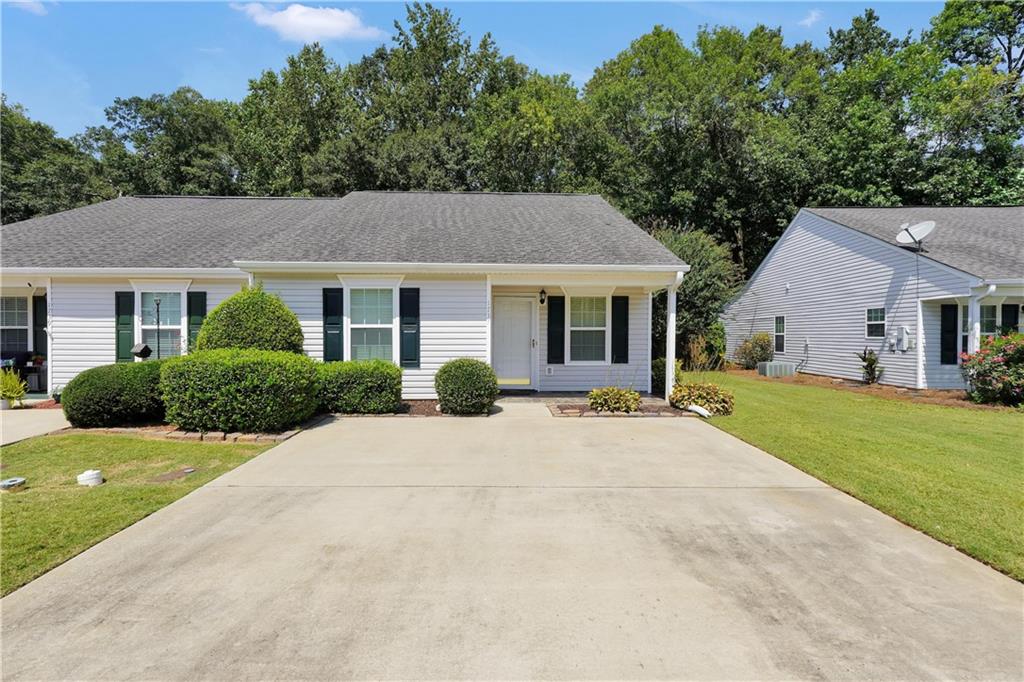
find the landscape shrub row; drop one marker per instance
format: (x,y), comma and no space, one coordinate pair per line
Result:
(995,373)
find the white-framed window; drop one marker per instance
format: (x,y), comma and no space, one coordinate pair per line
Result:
(372,324)
(875,323)
(589,337)
(14,326)
(164,339)
(170,340)
(780,333)
(989,320)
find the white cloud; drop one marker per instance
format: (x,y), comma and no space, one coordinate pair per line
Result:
(31,6)
(310,24)
(813,17)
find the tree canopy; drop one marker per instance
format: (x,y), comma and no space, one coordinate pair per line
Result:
(729,135)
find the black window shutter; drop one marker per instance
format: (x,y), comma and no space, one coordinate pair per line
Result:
(620,329)
(556,330)
(196,315)
(1011,318)
(124,325)
(948,335)
(333,325)
(39,344)
(409,318)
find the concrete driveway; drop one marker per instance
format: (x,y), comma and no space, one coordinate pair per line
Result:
(20,424)
(516,548)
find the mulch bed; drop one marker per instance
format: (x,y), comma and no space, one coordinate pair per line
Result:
(646,410)
(946,397)
(45,405)
(420,408)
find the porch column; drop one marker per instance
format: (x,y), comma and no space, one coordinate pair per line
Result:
(973,324)
(670,341)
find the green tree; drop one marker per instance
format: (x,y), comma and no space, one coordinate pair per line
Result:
(179,143)
(41,173)
(847,46)
(712,281)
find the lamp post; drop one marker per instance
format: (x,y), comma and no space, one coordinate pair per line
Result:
(156,302)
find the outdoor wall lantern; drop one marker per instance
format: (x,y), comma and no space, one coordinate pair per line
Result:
(543,296)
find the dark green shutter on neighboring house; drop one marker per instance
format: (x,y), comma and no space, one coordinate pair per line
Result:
(620,329)
(124,323)
(196,315)
(39,344)
(1011,318)
(333,325)
(556,330)
(948,334)
(409,318)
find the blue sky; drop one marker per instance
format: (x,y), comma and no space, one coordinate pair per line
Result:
(67,61)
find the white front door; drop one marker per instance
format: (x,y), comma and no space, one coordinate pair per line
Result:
(513,340)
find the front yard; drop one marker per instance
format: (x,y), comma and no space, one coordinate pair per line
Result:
(956,474)
(53,518)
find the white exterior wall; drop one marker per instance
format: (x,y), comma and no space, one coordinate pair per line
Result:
(453,321)
(635,374)
(82,333)
(833,275)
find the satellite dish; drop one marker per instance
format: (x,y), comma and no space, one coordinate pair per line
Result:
(915,234)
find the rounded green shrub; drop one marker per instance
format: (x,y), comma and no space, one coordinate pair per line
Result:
(711,397)
(252,318)
(466,386)
(658,375)
(360,386)
(114,395)
(233,390)
(614,399)
(758,348)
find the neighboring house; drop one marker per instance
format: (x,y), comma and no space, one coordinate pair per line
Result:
(837,282)
(553,290)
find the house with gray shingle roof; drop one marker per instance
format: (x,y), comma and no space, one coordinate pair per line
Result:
(838,281)
(553,290)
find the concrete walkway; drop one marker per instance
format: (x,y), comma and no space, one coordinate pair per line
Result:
(20,424)
(528,548)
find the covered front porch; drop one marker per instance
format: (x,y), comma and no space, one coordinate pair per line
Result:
(24,339)
(574,332)
(956,325)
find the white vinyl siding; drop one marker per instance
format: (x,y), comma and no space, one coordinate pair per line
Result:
(453,322)
(83,321)
(823,277)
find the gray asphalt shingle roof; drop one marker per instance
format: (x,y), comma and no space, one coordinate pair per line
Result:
(383,227)
(985,241)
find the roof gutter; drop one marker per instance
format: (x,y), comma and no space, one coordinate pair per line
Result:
(166,273)
(474,268)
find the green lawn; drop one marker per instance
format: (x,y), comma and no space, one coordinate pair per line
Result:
(53,518)
(954,473)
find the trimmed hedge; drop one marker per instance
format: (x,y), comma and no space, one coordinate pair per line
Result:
(231,390)
(360,386)
(252,318)
(466,386)
(114,395)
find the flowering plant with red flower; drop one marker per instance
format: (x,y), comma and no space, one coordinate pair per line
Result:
(995,373)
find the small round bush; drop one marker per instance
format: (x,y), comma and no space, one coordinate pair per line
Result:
(252,318)
(995,373)
(711,397)
(758,348)
(360,386)
(466,386)
(613,399)
(658,375)
(232,390)
(114,395)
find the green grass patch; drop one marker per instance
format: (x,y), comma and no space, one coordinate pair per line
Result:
(53,518)
(954,473)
